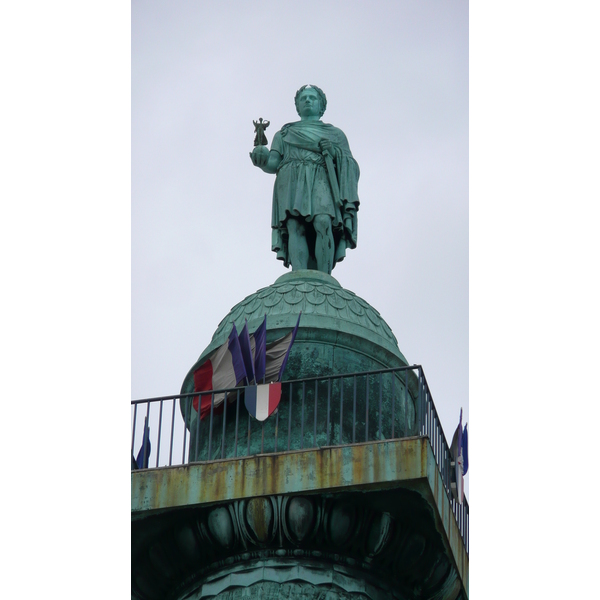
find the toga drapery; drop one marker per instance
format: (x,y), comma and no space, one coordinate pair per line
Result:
(303,187)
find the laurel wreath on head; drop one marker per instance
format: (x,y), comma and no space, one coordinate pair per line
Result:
(320,93)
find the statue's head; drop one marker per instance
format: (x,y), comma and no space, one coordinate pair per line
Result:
(320,94)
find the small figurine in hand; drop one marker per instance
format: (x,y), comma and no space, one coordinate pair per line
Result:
(260,139)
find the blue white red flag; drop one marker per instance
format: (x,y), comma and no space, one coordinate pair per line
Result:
(223,369)
(260,351)
(457,484)
(262,400)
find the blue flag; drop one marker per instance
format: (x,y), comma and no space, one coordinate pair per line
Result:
(233,344)
(260,351)
(287,354)
(246,351)
(144,453)
(465,449)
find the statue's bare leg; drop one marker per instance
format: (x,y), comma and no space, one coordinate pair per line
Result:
(297,245)
(324,247)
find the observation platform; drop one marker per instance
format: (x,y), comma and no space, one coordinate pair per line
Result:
(376,510)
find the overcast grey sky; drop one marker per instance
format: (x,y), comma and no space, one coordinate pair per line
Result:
(396,79)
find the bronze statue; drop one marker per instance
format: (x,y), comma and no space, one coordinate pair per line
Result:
(315,197)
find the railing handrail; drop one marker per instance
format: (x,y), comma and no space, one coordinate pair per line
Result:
(427,386)
(304,379)
(426,422)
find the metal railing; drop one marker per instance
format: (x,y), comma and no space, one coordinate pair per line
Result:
(430,426)
(313,412)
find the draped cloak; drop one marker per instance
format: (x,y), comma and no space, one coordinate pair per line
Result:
(303,187)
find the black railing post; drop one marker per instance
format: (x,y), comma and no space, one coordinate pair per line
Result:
(276,426)
(145,450)
(381,436)
(302,420)
(466,527)
(185,421)
(341,408)
(354,414)
(237,421)
(424,414)
(315,429)
(406,430)
(159,430)
(367,408)
(328,408)
(249,427)
(173,429)
(133,433)
(393,375)
(420,403)
(210,424)
(290,418)
(197,429)
(225,402)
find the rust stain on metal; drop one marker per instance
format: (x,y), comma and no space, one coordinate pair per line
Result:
(325,468)
(446,521)
(407,462)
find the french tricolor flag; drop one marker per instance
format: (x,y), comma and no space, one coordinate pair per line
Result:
(458,449)
(239,361)
(262,400)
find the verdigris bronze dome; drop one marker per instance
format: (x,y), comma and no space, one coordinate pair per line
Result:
(339,331)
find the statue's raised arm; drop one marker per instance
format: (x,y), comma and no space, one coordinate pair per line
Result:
(315,198)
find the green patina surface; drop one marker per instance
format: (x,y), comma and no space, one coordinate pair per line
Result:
(315,198)
(350,467)
(364,467)
(331,315)
(265,463)
(339,333)
(317,414)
